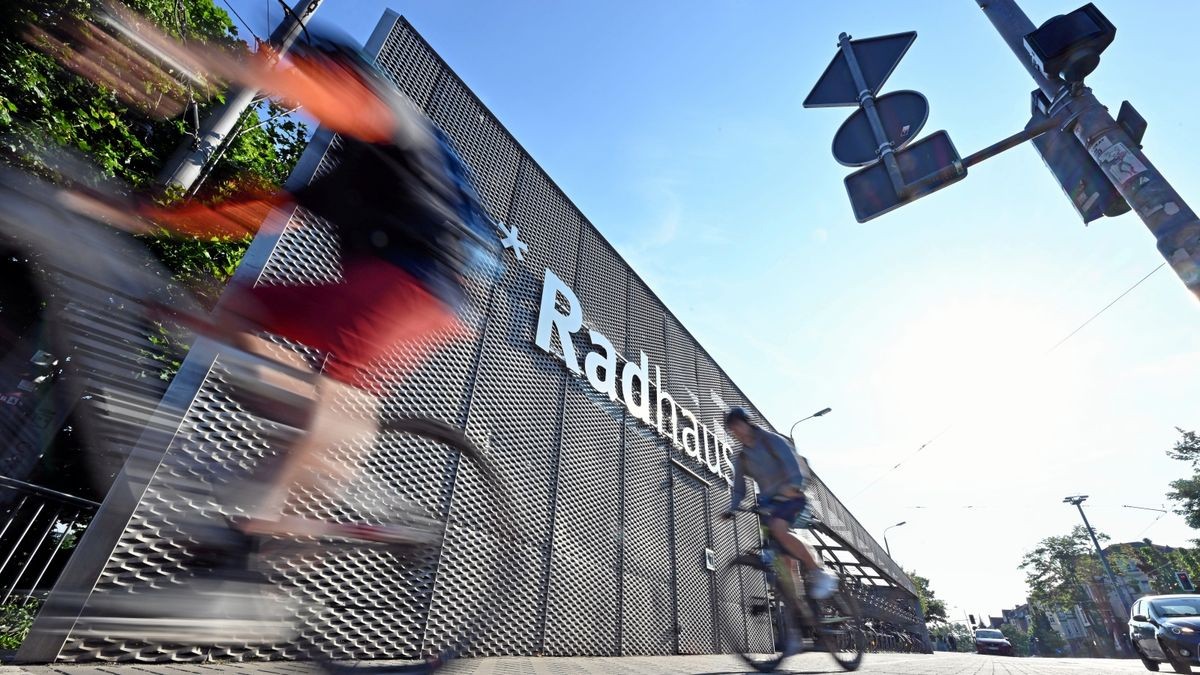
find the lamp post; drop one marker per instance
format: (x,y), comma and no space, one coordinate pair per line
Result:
(885,541)
(792,431)
(1122,593)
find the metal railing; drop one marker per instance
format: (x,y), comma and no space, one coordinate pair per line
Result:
(38,529)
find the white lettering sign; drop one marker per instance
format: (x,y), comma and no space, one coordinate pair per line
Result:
(561,316)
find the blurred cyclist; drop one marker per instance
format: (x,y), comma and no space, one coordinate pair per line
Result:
(772,462)
(410,227)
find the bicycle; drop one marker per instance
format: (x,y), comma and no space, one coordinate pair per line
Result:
(405,532)
(774,621)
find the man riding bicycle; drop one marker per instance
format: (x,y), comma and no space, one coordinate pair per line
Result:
(780,474)
(410,228)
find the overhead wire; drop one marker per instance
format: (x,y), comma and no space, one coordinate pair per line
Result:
(1049,351)
(257,40)
(1115,300)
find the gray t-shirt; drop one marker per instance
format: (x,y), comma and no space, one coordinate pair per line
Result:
(771,461)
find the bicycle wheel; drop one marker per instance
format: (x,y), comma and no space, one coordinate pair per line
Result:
(839,629)
(400,603)
(757,616)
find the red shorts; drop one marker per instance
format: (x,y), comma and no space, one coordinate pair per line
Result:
(376,310)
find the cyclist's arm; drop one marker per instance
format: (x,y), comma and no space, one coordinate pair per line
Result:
(739,483)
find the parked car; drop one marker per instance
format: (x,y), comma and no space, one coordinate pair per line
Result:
(992,641)
(1166,629)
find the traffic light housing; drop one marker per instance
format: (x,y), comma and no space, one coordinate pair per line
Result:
(1068,46)
(1185,582)
(1081,179)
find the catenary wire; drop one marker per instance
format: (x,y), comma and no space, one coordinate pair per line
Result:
(1056,346)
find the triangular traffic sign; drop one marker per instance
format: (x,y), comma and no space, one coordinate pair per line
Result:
(877,57)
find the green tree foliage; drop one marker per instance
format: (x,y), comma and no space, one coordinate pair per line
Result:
(1057,567)
(1185,492)
(1043,639)
(43,103)
(1057,571)
(1018,638)
(933,607)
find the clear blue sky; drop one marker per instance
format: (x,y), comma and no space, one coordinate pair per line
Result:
(677,127)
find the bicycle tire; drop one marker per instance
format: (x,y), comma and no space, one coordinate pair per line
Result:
(757,615)
(839,629)
(437,653)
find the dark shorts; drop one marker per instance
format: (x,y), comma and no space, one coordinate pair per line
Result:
(376,317)
(794,511)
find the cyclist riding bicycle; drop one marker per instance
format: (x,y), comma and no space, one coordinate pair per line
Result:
(780,474)
(410,226)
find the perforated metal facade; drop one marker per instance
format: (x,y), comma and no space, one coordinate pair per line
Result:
(617,522)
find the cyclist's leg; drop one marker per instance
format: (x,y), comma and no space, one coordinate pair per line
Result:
(342,414)
(795,547)
(378,310)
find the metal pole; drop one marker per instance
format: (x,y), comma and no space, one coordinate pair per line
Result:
(867,100)
(1172,222)
(1121,593)
(189,159)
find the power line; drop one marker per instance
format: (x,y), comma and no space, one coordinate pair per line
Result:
(1056,346)
(1127,292)
(897,465)
(257,40)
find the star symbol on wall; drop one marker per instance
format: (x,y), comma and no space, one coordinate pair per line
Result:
(511,240)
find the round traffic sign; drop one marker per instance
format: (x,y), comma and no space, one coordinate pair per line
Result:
(902,113)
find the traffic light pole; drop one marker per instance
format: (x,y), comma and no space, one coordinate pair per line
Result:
(190,158)
(1172,222)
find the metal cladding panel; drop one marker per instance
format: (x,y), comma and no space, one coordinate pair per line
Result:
(610,553)
(647,329)
(603,289)
(647,612)
(582,605)
(483,144)
(693,592)
(409,62)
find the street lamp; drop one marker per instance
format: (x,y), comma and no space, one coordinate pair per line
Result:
(885,541)
(1122,593)
(819,413)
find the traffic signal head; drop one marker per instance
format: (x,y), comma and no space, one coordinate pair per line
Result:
(1081,179)
(1185,581)
(1068,46)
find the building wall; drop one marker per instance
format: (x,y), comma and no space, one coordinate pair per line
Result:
(617,521)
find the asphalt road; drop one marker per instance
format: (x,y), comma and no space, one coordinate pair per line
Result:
(897,664)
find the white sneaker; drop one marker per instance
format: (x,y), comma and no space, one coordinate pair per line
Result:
(822,584)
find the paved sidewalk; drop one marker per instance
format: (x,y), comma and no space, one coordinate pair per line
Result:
(806,664)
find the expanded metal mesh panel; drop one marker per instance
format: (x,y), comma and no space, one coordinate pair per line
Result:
(602,286)
(482,142)
(647,611)
(646,328)
(692,579)
(614,523)
(584,571)
(410,63)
